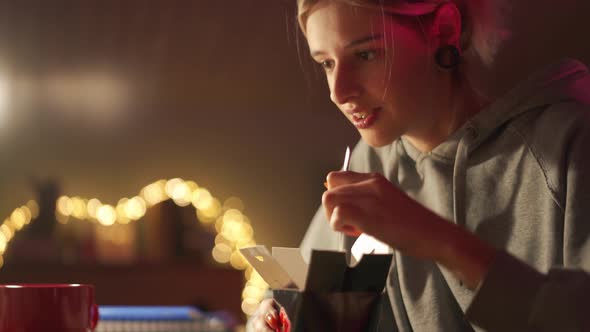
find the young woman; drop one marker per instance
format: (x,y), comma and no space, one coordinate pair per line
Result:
(482,201)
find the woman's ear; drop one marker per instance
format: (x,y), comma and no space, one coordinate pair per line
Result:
(446,27)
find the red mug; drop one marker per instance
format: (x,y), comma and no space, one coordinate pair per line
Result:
(47,308)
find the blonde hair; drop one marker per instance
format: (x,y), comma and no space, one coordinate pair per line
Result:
(484,27)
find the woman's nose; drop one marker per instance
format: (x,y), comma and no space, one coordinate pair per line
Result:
(344,85)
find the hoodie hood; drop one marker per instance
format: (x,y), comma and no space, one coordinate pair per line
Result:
(565,81)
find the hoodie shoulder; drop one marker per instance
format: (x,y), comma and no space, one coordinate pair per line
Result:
(553,135)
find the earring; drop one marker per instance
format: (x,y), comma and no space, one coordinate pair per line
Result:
(448,57)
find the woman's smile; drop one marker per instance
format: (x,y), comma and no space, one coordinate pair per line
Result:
(364,119)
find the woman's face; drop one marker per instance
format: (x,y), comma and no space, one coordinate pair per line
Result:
(379,70)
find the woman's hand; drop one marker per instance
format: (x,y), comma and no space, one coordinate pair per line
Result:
(358,203)
(368,203)
(269,317)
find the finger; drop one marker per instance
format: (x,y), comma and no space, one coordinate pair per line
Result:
(355,194)
(272,320)
(285,322)
(266,305)
(279,310)
(338,178)
(344,219)
(259,325)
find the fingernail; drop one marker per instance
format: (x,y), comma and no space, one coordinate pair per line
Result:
(271,320)
(326,185)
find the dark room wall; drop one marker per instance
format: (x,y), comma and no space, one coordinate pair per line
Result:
(108,96)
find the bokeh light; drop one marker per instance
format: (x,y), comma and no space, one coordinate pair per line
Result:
(222,253)
(253,292)
(79,209)
(65,206)
(92,207)
(220,239)
(18,218)
(232,226)
(212,211)
(3,243)
(154,193)
(238,261)
(7,231)
(135,208)
(62,219)
(27,212)
(179,192)
(192,185)
(34,208)
(233,203)
(106,215)
(249,306)
(202,199)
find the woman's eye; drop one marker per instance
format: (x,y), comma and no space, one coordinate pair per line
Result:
(367,55)
(327,64)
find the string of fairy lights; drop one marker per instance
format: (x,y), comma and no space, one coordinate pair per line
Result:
(233,228)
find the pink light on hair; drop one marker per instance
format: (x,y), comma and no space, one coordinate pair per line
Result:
(484,20)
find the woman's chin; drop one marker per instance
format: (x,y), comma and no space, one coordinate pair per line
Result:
(376,141)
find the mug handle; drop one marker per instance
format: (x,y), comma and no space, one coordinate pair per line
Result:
(93,316)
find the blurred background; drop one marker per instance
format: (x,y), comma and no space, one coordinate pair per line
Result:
(142,141)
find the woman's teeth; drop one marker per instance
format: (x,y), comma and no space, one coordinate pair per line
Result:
(361,115)
(366,118)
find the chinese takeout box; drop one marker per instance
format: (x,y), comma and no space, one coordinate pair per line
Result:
(327,294)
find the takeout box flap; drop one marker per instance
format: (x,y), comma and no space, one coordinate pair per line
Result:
(268,267)
(292,262)
(327,271)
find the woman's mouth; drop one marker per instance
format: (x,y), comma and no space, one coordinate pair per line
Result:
(364,119)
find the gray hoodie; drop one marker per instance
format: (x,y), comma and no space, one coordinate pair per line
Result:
(513,175)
